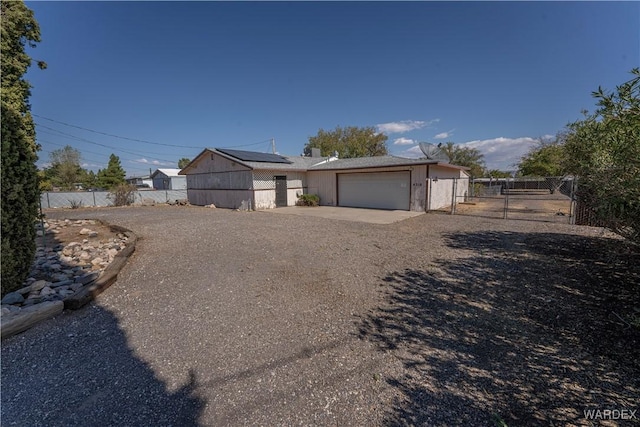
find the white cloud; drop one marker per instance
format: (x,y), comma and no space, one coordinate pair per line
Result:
(499,153)
(403,141)
(404,125)
(444,135)
(413,153)
(502,153)
(151,162)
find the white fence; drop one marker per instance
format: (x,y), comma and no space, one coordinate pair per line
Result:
(101,198)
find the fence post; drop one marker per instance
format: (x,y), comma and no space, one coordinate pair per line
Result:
(430,192)
(454,186)
(94,198)
(572,206)
(506,198)
(48,202)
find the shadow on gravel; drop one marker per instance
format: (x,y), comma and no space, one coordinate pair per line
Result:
(62,375)
(527,328)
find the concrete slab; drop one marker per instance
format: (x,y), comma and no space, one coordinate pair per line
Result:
(373,216)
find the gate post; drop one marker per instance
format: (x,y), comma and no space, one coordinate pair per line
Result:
(506,198)
(453,196)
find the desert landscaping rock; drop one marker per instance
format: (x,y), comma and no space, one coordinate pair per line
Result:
(13,298)
(60,271)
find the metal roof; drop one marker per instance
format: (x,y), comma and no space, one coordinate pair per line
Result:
(167,172)
(252,156)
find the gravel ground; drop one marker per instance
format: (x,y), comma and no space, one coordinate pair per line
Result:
(233,318)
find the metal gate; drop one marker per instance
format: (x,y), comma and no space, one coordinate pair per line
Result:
(549,199)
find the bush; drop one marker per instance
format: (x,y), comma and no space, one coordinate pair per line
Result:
(75,204)
(123,195)
(308,200)
(603,151)
(20,192)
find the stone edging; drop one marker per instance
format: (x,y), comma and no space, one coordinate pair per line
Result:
(30,316)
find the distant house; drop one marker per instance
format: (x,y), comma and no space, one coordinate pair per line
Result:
(144,181)
(168,179)
(233,178)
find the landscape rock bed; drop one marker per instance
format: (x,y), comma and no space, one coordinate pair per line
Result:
(61,271)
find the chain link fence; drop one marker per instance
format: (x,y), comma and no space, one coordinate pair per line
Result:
(549,199)
(78,199)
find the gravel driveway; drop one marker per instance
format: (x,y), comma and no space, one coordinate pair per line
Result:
(233,318)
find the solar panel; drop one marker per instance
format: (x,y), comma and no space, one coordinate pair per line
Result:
(252,156)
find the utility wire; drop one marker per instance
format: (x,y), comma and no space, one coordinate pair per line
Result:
(97,143)
(137,140)
(112,135)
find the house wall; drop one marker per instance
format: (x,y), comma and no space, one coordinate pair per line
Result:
(221,198)
(440,186)
(264,186)
(223,182)
(324,184)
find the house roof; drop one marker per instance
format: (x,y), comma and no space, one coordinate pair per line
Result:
(252,156)
(379,162)
(301,163)
(168,172)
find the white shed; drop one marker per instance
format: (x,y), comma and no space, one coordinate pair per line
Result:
(168,179)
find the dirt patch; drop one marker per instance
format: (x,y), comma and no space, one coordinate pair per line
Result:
(235,318)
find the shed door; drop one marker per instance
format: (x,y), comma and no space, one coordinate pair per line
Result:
(377,190)
(281,191)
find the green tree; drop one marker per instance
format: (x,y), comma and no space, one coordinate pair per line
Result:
(113,175)
(89,179)
(603,151)
(545,159)
(465,156)
(65,170)
(20,192)
(349,142)
(183,162)
(495,173)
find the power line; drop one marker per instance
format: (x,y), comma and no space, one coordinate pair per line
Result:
(97,143)
(138,140)
(112,135)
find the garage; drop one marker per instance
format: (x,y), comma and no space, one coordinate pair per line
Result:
(375,190)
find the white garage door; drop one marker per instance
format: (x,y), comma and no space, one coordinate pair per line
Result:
(377,190)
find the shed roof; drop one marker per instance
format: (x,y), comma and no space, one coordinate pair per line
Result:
(168,172)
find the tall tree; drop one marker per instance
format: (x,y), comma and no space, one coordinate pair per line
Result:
(465,156)
(603,151)
(348,142)
(113,175)
(65,170)
(545,159)
(20,192)
(183,162)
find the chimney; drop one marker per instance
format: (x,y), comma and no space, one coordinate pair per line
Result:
(315,152)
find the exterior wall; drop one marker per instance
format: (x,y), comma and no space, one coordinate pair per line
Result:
(440,185)
(231,199)
(324,184)
(223,182)
(264,186)
(163,182)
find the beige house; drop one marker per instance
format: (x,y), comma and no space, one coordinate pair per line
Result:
(233,178)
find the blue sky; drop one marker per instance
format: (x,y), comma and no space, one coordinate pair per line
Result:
(188,75)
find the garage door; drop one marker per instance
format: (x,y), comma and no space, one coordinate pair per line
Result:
(378,190)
